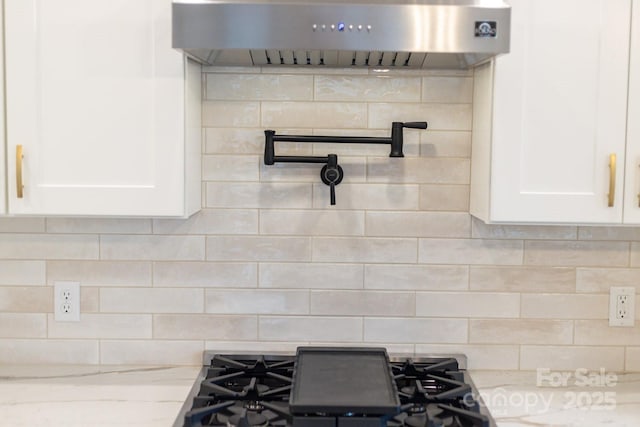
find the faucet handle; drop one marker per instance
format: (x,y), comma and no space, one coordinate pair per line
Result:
(415,125)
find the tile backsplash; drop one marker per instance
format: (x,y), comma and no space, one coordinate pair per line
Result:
(268,264)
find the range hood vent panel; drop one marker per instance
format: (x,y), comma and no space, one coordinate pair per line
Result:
(358,33)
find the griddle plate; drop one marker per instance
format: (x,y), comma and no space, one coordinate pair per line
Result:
(343,380)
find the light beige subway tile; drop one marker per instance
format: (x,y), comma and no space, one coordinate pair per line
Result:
(22,225)
(310,329)
(22,273)
(363,303)
(393,349)
(442,197)
(363,249)
(416,277)
(588,254)
(236,87)
(242,301)
(151,352)
(494,357)
(48,246)
(230,113)
(565,306)
(571,358)
(100,273)
(211,221)
(367,89)
(314,114)
(204,326)
(467,304)
(598,332)
(40,351)
(354,170)
(226,69)
(205,274)
(160,248)
(147,300)
(89,299)
(599,280)
(419,170)
(279,347)
(632,363)
(447,89)
(27,299)
(258,248)
(230,167)
(470,251)
(23,325)
(609,233)
(529,232)
(99,225)
(368,196)
(399,71)
(258,195)
(635,254)
(523,279)
(418,224)
(413,330)
(438,116)
(520,331)
(117,326)
(234,140)
(311,276)
(434,143)
(312,222)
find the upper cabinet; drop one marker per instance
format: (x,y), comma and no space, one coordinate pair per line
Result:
(106,113)
(550,117)
(632,167)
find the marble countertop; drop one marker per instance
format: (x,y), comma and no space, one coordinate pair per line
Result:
(72,396)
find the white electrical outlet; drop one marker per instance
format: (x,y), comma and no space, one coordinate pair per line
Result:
(622,301)
(66,301)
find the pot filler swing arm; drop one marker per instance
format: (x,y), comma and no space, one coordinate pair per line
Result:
(331,173)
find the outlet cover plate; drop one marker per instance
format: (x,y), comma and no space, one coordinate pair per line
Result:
(628,293)
(66,301)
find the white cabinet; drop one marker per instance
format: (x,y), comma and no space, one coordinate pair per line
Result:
(632,167)
(549,115)
(106,112)
(3,162)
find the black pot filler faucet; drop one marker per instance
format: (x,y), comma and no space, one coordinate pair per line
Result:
(331,173)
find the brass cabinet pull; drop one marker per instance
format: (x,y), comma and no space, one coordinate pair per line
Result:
(612,179)
(19,186)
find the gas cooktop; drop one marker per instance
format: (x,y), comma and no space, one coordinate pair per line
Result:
(333,387)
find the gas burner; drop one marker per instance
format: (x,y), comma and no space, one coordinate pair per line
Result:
(231,414)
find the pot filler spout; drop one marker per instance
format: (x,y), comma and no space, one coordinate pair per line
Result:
(331,173)
(432,34)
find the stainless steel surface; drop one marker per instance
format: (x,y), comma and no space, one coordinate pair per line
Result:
(365,33)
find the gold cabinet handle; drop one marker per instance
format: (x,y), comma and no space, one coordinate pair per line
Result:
(19,186)
(612,179)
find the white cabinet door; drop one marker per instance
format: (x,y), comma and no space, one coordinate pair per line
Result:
(557,113)
(632,170)
(96,98)
(3,162)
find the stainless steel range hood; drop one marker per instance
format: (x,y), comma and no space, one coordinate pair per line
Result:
(337,33)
